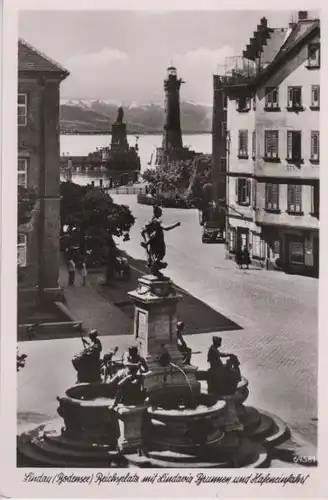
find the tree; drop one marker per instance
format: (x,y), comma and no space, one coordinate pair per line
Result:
(20,360)
(90,219)
(26,203)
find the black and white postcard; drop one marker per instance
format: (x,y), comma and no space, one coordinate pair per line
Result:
(161,166)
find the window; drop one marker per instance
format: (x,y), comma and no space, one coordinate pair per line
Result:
(253,144)
(315,96)
(294,98)
(243,191)
(294,198)
(272,196)
(294,145)
(257,246)
(232,239)
(271,144)
(22,109)
(243,144)
(315,145)
(22,172)
(243,103)
(315,200)
(314,55)
(271,98)
(21,250)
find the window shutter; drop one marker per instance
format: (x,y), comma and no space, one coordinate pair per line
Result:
(289,144)
(290,197)
(237,189)
(275,98)
(298,197)
(248,190)
(296,145)
(275,199)
(290,97)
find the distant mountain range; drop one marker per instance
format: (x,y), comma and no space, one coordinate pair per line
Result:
(91,116)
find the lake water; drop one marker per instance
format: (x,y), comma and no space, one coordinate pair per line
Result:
(82,145)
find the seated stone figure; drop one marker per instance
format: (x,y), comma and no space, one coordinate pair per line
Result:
(222,378)
(128,380)
(87,363)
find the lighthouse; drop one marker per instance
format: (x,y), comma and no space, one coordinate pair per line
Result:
(172,138)
(172,147)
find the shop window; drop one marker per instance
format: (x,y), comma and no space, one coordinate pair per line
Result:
(232,239)
(257,246)
(296,252)
(22,110)
(271,196)
(294,98)
(315,97)
(243,191)
(276,247)
(294,198)
(271,145)
(294,145)
(271,99)
(243,144)
(21,250)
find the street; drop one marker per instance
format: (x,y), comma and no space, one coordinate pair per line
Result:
(277,344)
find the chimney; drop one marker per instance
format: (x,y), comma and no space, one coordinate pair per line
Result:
(264,21)
(302,15)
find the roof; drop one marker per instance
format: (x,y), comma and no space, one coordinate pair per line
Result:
(302,31)
(273,45)
(30,59)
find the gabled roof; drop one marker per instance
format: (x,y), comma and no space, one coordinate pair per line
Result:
(273,45)
(299,35)
(30,59)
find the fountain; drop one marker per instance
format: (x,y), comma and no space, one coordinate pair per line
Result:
(167,419)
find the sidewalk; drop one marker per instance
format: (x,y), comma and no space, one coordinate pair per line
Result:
(93,309)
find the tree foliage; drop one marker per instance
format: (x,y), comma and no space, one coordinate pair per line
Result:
(91,218)
(26,203)
(183,178)
(20,360)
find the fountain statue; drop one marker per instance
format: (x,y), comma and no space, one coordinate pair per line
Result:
(154,243)
(153,409)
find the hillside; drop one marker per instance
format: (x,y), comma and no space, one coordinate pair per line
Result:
(98,116)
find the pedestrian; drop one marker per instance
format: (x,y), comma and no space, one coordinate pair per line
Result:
(84,273)
(71,271)
(239,257)
(246,258)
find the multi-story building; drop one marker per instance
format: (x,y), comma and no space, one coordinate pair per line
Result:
(273,102)
(39,79)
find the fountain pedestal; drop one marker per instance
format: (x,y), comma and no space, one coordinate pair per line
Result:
(155,321)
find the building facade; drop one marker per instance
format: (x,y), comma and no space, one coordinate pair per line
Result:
(273,155)
(38,103)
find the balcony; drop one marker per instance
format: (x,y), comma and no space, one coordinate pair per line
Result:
(237,70)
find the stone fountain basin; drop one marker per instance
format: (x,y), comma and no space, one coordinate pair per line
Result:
(187,429)
(86,411)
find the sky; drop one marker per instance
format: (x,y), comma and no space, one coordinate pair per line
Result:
(123,55)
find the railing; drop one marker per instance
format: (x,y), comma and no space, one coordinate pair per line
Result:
(127,190)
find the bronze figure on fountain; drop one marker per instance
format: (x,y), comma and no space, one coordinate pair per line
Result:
(154,243)
(222,378)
